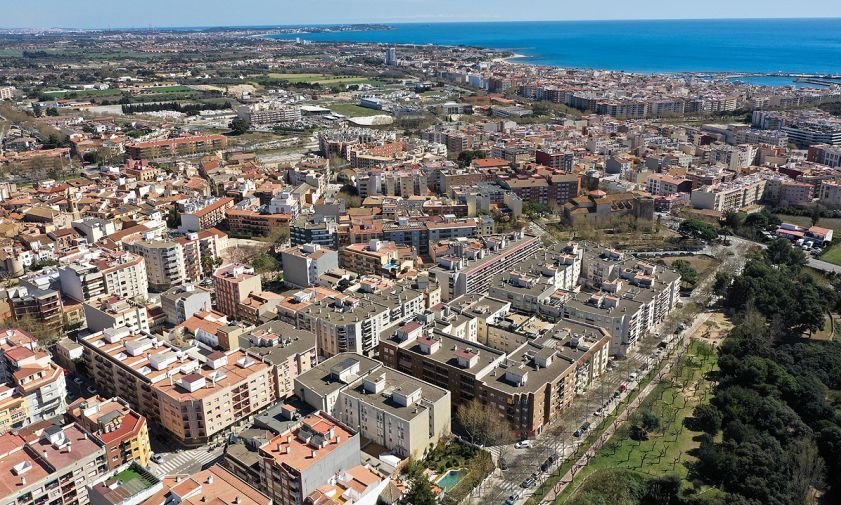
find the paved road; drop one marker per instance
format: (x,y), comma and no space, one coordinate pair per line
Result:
(186,461)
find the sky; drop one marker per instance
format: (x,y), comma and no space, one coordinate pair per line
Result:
(164,13)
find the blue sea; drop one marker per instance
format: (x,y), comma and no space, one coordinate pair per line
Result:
(745,45)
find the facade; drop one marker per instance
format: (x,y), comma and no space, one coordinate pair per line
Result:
(94,273)
(397,411)
(729,196)
(180,146)
(197,398)
(111,311)
(232,284)
(165,265)
(304,458)
(469,270)
(124,432)
(182,302)
(50,465)
(203,214)
(303,265)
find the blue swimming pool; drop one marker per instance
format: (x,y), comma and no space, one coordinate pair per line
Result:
(451,478)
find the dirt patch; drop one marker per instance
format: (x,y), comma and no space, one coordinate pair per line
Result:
(714,330)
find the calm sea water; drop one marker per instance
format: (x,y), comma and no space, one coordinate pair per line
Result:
(779,45)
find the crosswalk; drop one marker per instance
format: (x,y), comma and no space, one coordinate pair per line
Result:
(184,461)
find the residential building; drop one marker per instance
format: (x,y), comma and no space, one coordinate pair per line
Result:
(196,396)
(214,485)
(302,265)
(102,271)
(290,351)
(529,386)
(165,265)
(182,302)
(232,284)
(203,213)
(179,146)
(306,457)
(51,464)
(377,257)
(392,409)
(124,432)
(114,312)
(468,267)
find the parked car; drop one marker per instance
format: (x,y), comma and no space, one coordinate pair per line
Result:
(78,380)
(523,444)
(157,458)
(92,390)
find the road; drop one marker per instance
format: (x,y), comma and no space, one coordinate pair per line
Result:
(185,461)
(558,439)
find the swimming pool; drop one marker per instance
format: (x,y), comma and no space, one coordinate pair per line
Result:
(451,478)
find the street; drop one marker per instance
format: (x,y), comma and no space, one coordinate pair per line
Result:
(185,461)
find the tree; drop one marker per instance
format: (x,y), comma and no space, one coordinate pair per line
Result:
(688,274)
(482,424)
(265,263)
(420,492)
(650,420)
(52,111)
(278,235)
(239,126)
(37,110)
(707,418)
(695,228)
(816,215)
(722,282)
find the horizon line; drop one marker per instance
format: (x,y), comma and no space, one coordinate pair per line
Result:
(369,23)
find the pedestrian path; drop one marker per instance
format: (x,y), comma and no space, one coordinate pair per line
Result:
(183,461)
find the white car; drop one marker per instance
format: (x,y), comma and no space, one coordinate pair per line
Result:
(523,444)
(78,380)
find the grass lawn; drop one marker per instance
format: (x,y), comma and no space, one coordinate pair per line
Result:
(353,110)
(702,264)
(666,450)
(832,255)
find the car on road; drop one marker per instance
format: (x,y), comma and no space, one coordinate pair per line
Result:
(513,498)
(633,376)
(527,483)
(502,464)
(78,380)
(523,444)
(547,464)
(157,458)
(92,390)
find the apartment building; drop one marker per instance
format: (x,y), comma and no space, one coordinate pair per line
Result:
(232,284)
(556,160)
(352,323)
(290,351)
(625,295)
(734,195)
(37,304)
(395,410)
(196,396)
(830,194)
(253,223)
(32,387)
(113,312)
(530,284)
(203,213)
(52,464)
(183,302)
(468,267)
(664,185)
(180,146)
(101,271)
(124,432)
(377,257)
(321,231)
(529,386)
(825,154)
(165,265)
(302,265)
(305,457)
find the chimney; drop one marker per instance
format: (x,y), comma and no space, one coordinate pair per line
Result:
(45,454)
(210,479)
(338,439)
(177,478)
(23,481)
(313,454)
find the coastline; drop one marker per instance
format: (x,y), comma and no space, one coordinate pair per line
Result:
(640,47)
